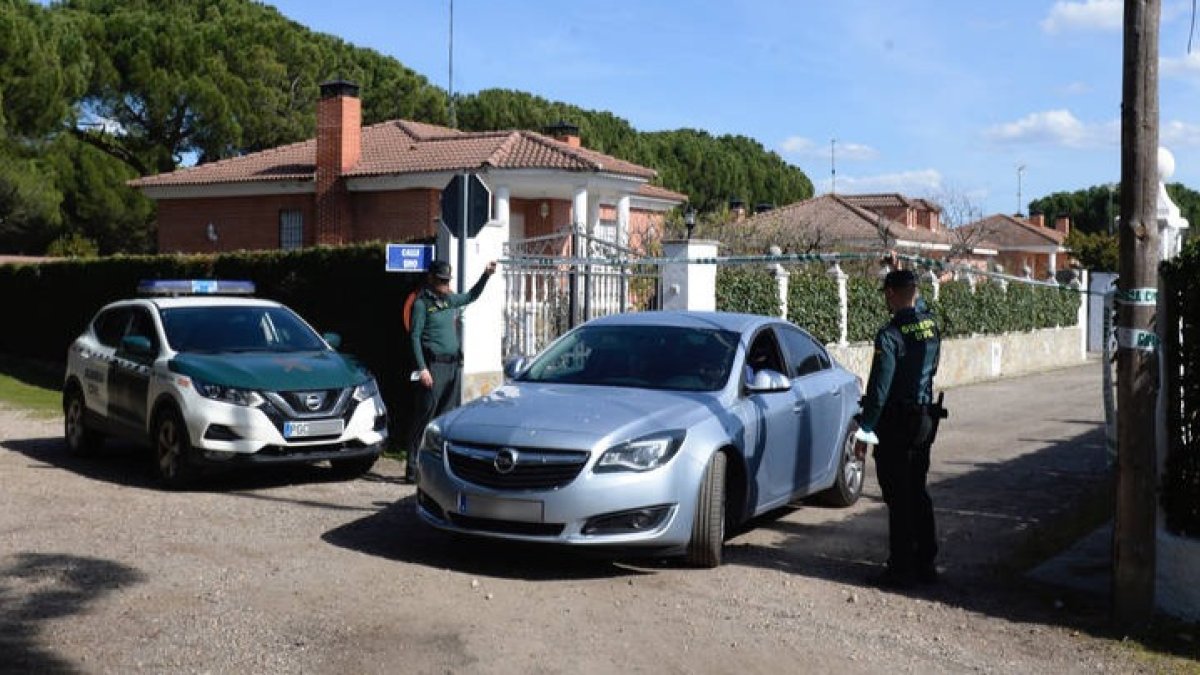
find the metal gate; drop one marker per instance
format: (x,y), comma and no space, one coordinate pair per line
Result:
(548,290)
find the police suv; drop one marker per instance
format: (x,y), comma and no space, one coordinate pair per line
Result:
(210,377)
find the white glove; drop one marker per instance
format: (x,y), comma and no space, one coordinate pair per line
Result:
(867,437)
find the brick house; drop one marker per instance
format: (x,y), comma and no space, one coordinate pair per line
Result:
(383,182)
(1025,244)
(907,211)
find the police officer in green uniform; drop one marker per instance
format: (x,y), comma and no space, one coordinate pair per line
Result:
(899,413)
(436,348)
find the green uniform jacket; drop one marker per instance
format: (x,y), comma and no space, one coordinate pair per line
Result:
(906,359)
(433,318)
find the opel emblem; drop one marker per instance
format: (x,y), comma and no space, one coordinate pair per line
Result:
(313,400)
(506,460)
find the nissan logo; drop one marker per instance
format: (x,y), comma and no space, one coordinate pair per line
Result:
(313,400)
(506,460)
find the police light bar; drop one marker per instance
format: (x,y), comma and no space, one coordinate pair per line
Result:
(195,287)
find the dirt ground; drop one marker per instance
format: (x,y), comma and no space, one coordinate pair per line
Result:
(281,572)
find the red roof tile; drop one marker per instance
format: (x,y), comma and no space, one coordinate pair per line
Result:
(837,220)
(407,147)
(1004,231)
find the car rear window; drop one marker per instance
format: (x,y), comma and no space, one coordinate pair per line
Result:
(237,329)
(650,357)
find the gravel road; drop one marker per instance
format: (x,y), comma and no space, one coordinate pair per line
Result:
(287,572)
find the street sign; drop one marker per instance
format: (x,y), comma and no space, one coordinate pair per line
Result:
(408,257)
(478,204)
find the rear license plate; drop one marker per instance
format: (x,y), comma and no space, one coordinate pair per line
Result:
(314,428)
(479,506)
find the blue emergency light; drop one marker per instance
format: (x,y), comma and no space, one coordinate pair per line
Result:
(195,287)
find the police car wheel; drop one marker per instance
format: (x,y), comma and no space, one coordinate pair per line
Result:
(81,440)
(347,469)
(172,450)
(708,527)
(848,485)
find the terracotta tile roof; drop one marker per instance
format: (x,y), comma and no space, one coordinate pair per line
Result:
(838,221)
(406,147)
(656,192)
(1004,231)
(885,200)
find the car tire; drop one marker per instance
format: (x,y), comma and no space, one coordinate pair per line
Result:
(708,526)
(851,472)
(172,450)
(81,439)
(349,469)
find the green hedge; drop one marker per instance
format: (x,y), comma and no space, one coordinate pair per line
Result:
(343,290)
(812,303)
(1181,481)
(750,290)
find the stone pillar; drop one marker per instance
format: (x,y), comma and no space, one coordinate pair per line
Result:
(623,221)
(781,282)
(483,320)
(843,292)
(687,285)
(933,280)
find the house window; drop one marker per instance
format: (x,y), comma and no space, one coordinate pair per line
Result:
(291,230)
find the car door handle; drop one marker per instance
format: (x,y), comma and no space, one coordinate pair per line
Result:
(835,392)
(798,408)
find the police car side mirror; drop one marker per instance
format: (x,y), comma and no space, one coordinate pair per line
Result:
(334,340)
(766,381)
(516,366)
(138,345)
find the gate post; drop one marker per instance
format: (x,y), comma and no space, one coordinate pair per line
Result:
(686,283)
(843,304)
(781,281)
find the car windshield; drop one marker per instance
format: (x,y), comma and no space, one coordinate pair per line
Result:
(651,357)
(237,329)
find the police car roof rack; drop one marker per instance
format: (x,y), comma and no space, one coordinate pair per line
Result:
(177,287)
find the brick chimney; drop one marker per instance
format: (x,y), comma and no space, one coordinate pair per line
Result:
(567,133)
(339,148)
(1037,219)
(1063,224)
(737,209)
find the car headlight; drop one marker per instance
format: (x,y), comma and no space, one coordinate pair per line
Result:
(233,395)
(641,454)
(366,390)
(432,440)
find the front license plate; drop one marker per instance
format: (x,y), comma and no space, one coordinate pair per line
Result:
(315,428)
(479,506)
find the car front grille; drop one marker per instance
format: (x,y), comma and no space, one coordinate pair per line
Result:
(506,526)
(531,468)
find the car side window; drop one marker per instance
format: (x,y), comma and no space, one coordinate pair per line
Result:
(764,353)
(109,326)
(142,325)
(806,355)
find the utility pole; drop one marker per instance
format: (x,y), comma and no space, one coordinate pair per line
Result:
(833,165)
(1020,173)
(1137,344)
(450,82)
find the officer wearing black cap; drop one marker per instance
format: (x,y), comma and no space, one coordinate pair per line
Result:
(436,348)
(898,411)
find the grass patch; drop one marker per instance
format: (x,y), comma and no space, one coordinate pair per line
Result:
(31,385)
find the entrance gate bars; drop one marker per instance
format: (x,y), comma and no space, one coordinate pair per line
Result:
(548,290)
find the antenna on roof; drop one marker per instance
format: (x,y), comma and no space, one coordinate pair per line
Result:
(450,87)
(833,165)
(1020,172)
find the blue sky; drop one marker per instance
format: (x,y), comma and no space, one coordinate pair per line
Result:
(926,97)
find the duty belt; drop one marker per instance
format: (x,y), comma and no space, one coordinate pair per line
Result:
(443,358)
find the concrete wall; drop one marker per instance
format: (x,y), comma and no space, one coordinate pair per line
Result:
(986,357)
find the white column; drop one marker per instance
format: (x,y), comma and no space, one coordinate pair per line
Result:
(623,221)
(483,320)
(781,283)
(579,209)
(688,285)
(1053,264)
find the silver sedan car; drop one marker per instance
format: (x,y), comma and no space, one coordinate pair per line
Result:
(657,431)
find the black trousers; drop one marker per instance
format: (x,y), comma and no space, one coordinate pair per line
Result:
(902,466)
(429,403)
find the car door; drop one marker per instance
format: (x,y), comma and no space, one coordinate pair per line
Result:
(819,394)
(96,353)
(129,375)
(776,424)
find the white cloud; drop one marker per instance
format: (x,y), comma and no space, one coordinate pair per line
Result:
(1186,66)
(1085,15)
(1075,89)
(1176,133)
(799,146)
(917,182)
(1055,127)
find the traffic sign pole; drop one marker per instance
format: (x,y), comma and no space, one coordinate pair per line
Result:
(462,233)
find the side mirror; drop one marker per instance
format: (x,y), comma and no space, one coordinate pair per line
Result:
(334,340)
(767,381)
(515,366)
(137,345)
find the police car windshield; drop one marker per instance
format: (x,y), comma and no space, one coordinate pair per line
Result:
(237,329)
(647,357)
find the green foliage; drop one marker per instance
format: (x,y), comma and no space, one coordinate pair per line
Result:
(1181,482)
(29,205)
(72,245)
(1094,210)
(363,305)
(1098,252)
(748,290)
(868,311)
(813,304)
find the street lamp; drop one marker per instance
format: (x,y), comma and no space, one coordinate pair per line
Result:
(689,221)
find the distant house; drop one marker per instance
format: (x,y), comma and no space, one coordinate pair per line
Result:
(1025,246)
(383,182)
(908,211)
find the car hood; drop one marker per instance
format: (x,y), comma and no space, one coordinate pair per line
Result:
(576,416)
(272,371)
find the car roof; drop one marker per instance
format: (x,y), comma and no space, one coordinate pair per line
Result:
(195,301)
(740,323)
